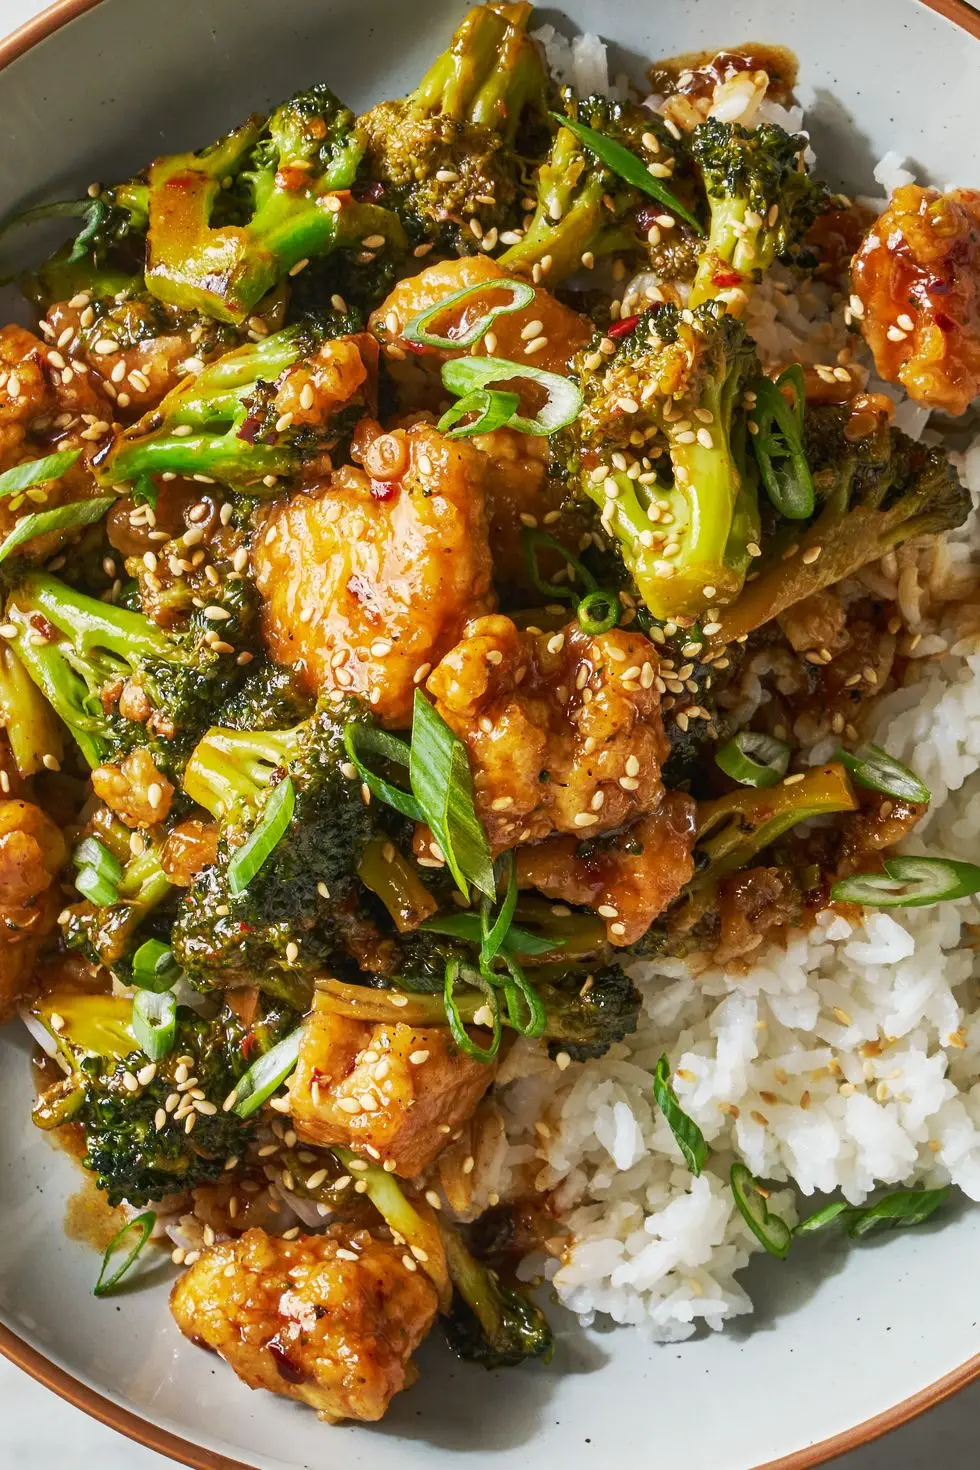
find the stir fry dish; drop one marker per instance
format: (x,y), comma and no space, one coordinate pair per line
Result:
(439,589)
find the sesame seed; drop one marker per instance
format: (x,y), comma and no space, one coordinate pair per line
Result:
(535,346)
(585,819)
(349,1105)
(906,322)
(533,329)
(292,952)
(373,242)
(418,1057)
(895,334)
(793,780)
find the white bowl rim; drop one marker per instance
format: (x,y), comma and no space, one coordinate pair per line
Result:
(184,1451)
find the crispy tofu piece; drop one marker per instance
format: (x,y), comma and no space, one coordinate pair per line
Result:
(372,577)
(331,1320)
(32,850)
(398,1090)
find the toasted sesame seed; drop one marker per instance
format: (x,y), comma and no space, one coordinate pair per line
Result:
(793,780)
(536,346)
(533,329)
(348,1105)
(585,819)
(895,334)
(292,952)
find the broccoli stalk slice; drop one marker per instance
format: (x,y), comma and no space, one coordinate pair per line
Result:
(33,732)
(571,217)
(296,171)
(211,423)
(99,644)
(761,202)
(858,523)
(490,73)
(412,1220)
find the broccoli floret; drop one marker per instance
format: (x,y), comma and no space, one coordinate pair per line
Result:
(484,1320)
(107,934)
(132,1158)
(490,1323)
(677,379)
(286,924)
(90,660)
(761,198)
(583,207)
(223,422)
(452,151)
(873,494)
(106,257)
(268,698)
(219,247)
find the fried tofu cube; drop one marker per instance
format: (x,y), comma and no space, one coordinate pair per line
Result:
(331,1320)
(398,1090)
(371,578)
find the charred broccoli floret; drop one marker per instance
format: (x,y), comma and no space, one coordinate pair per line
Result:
(219,249)
(105,259)
(93,662)
(283,925)
(676,379)
(873,493)
(587,1009)
(105,926)
(584,209)
(134,1157)
(761,199)
(228,422)
(452,151)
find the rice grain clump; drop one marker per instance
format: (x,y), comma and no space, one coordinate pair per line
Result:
(844,1058)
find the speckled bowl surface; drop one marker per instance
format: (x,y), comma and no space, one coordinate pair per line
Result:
(843,1344)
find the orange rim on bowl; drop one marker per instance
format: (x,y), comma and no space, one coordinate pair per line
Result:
(173,1446)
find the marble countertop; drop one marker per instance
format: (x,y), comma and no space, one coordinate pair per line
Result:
(38,1428)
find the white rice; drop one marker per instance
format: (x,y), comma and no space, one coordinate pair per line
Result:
(844,1059)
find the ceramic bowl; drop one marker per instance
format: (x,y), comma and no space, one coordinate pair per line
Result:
(844,1344)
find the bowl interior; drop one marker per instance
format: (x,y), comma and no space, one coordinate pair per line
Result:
(838,1336)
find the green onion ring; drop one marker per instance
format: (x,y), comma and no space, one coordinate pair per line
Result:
(687,1135)
(460,1035)
(909,882)
(773,1232)
(875,768)
(415,331)
(154,966)
(277,813)
(462,375)
(265,1075)
(754,759)
(598,612)
(493,411)
(144,1225)
(155,1023)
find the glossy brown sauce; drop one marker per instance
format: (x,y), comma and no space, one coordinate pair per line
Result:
(697,73)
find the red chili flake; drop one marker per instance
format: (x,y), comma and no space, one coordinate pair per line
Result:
(383,489)
(419,348)
(727,278)
(250,428)
(370,193)
(623,328)
(288,1370)
(646,215)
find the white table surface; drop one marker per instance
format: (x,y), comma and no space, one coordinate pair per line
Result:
(38,1428)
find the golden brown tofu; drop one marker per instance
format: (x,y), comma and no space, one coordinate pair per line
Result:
(331,1320)
(917,276)
(371,578)
(520,493)
(561,331)
(397,1090)
(563,730)
(134,789)
(43,408)
(32,851)
(630,879)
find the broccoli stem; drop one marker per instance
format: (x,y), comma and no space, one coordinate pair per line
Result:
(33,732)
(490,72)
(513,1329)
(391,876)
(412,1220)
(733,247)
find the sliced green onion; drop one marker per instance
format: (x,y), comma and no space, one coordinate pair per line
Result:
(493,411)
(875,768)
(65,518)
(909,882)
(155,1023)
(460,1035)
(371,740)
(442,784)
(142,1227)
(519,941)
(778,446)
(463,375)
(821,1218)
(36,471)
(266,1075)
(95,218)
(754,759)
(532,543)
(519,992)
(598,612)
(904,1207)
(97,888)
(94,854)
(416,330)
(265,837)
(687,1135)
(154,966)
(772,1231)
(627,166)
(493,936)
(146,491)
